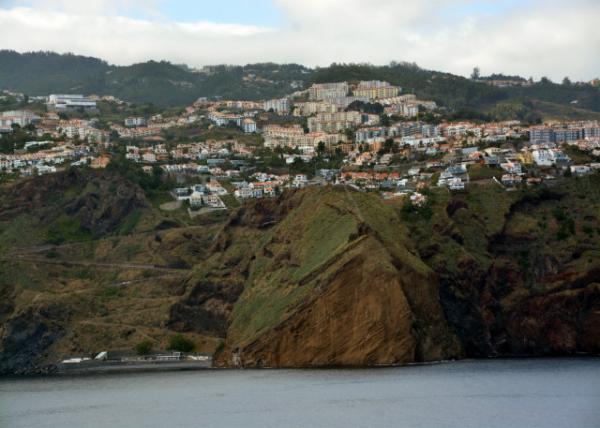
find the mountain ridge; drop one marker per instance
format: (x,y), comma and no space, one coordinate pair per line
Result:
(167,84)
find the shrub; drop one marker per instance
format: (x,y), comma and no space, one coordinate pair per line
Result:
(181,343)
(51,254)
(144,347)
(220,347)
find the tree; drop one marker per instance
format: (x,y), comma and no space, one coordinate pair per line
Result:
(566,81)
(389,145)
(181,343)
(144,347)
(321,148)
(476,74)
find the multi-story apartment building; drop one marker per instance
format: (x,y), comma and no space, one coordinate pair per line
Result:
(564,135)
(375,89)
(366,134)
(405,110)
(17,117)
(430,131)
(314,107)
(591,130)
(294,137)
(336,122)
(276,135)
(70,102)
(281,105)
(541,134)
(135,121)
(343,102)
(222,119)
(400,99)
(326,91)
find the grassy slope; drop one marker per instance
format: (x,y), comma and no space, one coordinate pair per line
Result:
(308,247)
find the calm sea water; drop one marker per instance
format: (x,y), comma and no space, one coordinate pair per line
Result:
(482,394)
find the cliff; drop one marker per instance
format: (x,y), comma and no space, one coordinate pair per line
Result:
(316,277)
(335,282)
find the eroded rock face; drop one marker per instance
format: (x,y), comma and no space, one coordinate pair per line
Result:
(559,323)
(206,308)
(361,318)
(499,290)
(25,342)
(345,324)
(372,302)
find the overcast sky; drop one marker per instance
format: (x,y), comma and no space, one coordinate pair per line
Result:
(556,38)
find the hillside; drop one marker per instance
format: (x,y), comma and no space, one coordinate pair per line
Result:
(317,277)
(487,273)
(165,84)
(87,263)
(334,282)
(160,83)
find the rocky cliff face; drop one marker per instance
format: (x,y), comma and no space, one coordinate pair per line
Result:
(481,274)
(316,277)
(365,300)
(518,271)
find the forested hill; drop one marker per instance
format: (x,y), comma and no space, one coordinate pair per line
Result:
(457,93)
(161,83)
(166,84)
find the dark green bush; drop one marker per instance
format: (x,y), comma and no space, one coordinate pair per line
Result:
(181,343)
(144,347)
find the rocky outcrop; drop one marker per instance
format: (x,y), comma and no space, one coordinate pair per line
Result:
(361,317)
(26,339)
(368,302)
(206,307)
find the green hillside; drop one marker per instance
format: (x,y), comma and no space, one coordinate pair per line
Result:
(166,84)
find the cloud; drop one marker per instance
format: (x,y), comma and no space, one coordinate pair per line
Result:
(532,37)
(89,7)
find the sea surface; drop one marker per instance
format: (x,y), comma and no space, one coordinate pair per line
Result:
(548,393)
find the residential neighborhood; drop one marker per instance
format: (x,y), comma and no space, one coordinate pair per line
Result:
(368,134)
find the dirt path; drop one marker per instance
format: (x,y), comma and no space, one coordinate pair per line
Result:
(30,259)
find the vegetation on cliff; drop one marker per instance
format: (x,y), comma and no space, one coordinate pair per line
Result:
(317,277)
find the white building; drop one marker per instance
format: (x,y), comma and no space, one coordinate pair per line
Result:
(543,157)
(18,117)
(249,126)
(326,91)
(135,121)
(70,102)
(281,105)
(222,119)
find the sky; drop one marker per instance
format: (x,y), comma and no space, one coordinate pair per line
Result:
(553,38)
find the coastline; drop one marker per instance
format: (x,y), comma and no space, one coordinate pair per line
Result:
(65,370)
(130,367)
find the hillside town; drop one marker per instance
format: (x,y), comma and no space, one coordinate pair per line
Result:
(369,135)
